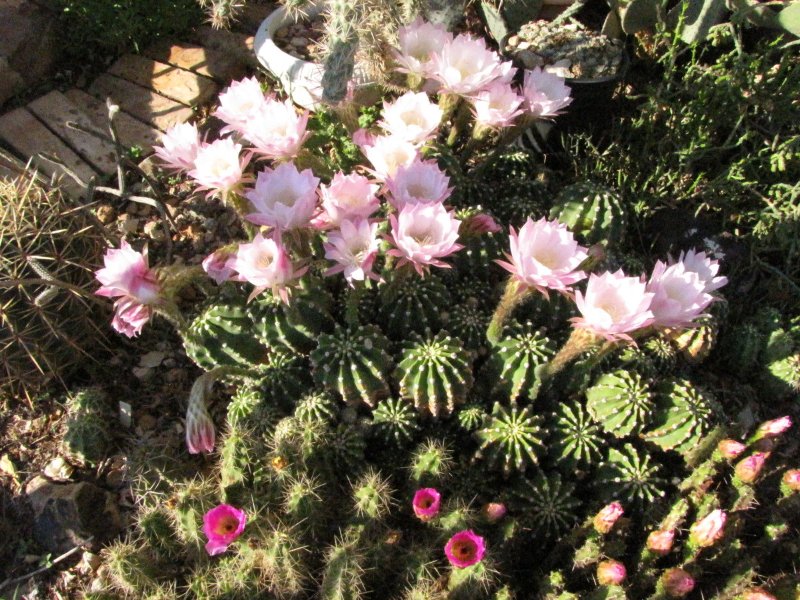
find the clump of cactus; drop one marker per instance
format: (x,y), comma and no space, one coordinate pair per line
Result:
(88,428)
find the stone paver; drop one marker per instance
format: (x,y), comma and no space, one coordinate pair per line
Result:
(55,110)
(131,131)
(146,105)
(211,63)
(180,85)
(28,137)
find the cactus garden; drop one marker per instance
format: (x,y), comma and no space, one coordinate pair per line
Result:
(481,336)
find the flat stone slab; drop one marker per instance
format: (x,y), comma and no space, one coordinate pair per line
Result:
(238,45)
(131,131)
(183,86)
(55,109)
(146,105)
(205,61)
(28,137)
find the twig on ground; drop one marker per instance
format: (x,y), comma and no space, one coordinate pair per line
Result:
(66,555)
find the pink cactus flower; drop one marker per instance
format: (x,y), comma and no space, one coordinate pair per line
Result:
(426,503)
(127,277)
(412,117)
(757,594)
(660,541)
(545,93)
(239,103)
(705,267)
(773,428)
(478,224)
(613,306)
(730,449)
(276,130)
(219,167)
(465,549)
(219,265)
(748,469)
(677,583)
(181,144)
(493,512)
(708,530)
(605,519)
(497,106)
(791,479)
(387,153)
(466,66)
(354,248)
(418,41)
(222,525)
(348,197)
(679,295)
(265,263)
(611,572)
(284,197)
(423,234)
(544,256)
(421,182)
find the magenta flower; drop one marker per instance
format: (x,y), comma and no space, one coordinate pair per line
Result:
(748,469)
(348,197)
(677,583)
(493,511)
(265,263)
(424,234)
(239,103)
(605,519)
(544,255)
(284,197)
(545,93)
(426,503)
(412,117)
(219,167)
(421,182)
(679,295)
(708,530)
(773,428)
(660,541)
(354,248)
(613,306)
(706,269)
(276,130)
(219,265)
(791,479)
(127,277)
(418,42)
(611,572)
(730,449)
(465,549)
(222,525)
(465,66)
(181,144)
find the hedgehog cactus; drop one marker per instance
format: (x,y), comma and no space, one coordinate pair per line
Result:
(511,438)
(592,212)
(88,434)
(620,402)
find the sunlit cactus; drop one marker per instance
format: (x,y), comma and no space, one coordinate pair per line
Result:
(516,356)
(431,463)
(395,421)
(628,475)
(620,402)
(512,438)
(594,213)
(577,439)
(316,407)
(682,415)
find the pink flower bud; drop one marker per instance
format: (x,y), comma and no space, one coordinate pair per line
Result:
(677,583)
(660,541)
(730,449)
(465,549)
(610,572)
(791,479)
(748,469)
(604,520)
(222,525)
(494,511)
(219,265)
(708,530)
(479,224)
(757,594)
(426,503)
(773,428)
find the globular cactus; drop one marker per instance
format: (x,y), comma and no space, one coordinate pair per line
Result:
(522,349)
(620,402)
(471,416)
(511,439)
(682,416)
(283,378)
(316,407)
(431,463)
(468,322)
(354,363)
(472,289)
(413,305)
(696,343)
(513,164)
(783,377)
(395,421)
(296,326)
(525,199)
(548,504)
(344,449)
(577,440)
(250,406)
(595,214)
(435,374)
(662,353)
(628,475)
(88,434)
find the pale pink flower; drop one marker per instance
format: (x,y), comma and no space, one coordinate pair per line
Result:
(219,166)
(545,93)
(354,248)
(748,469)
(387,153)
(613,306)
(660,541)
(222,525)
(219,265)
(679,295)
(127,277)
(492,512)
(418,41)
(773,428)
(412,117)
(705,267)
(497,106)
(611,572)
(544,256)
(677,583)
(426,503)
(708,530)
(604,520)
(791,479)
(239,103)
(348,197)
(421,182)
(276,130)
(181,144)
(465,66)
(730,449)
(423,234)
(265,263)
(284,197)
(465,549)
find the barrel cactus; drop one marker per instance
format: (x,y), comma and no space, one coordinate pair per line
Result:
(549,504)
(511,439)
(577,439)
(592,212)
(621,402)
(515,358)
(683,414)
(629,475)
(413,305)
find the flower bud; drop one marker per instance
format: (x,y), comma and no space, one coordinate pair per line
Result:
(610,572)
(730,449)
(660,541)
(773,428)
(708,530)
(493,511)
(677,583)
(748,469)
(605,519)
(757,594)
(791,479)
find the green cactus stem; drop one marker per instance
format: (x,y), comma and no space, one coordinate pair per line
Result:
(683,415)
(395,421)
(516,357)
(620,402)
(629,476)
(594,213)
(577,440)
(512,438)
(549,504)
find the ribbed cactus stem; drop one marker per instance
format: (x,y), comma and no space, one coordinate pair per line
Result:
(514,295)
(342,38)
